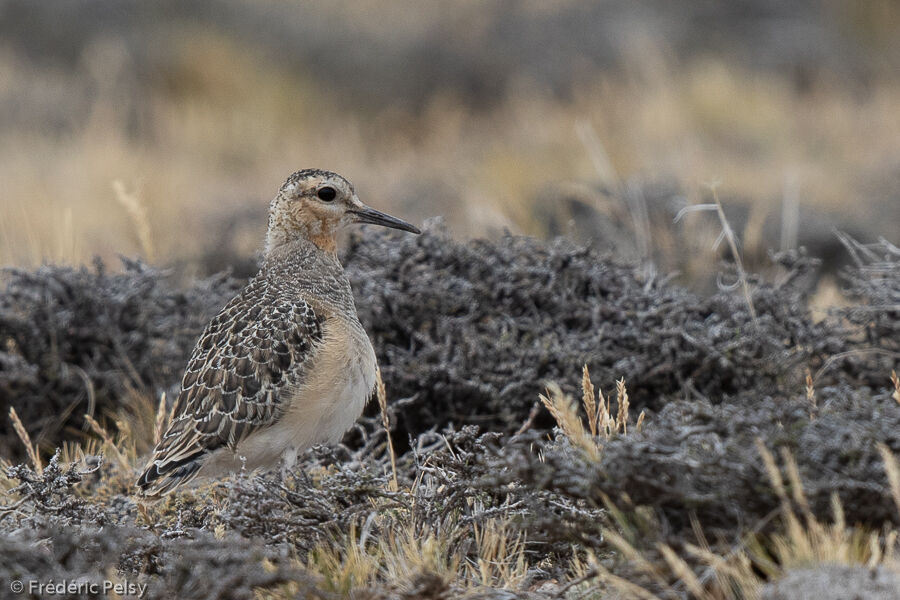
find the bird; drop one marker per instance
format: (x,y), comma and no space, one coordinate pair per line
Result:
(286,364)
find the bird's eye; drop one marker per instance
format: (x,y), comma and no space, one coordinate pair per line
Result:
(326,194)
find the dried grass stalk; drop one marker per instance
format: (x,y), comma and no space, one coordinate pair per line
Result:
(161,421)
(137,211)
(108,442)
(811,395)
(589,400)
(385,421)
(728,235)
(893,472)
(563,411)
(684,572)
(601,422)
(896,381)
(605,423)
(30,448)
(623,405)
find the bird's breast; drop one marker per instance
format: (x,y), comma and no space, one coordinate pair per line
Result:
(340,381)
(321,408)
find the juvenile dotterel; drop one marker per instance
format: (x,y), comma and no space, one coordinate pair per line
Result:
(286,364)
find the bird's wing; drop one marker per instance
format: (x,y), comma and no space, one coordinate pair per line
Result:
(256,346)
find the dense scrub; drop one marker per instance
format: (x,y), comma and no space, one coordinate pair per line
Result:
(467,335)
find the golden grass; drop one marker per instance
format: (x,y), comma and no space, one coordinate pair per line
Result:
(402,552)
(109,445)
(811,401)
(229,125)
(385,422)
(500,561)
(134,431)
(30,448)
(803,541)
(569,421)
(896,381)
(162,422)
(603,422)
(892,468)
(137,211)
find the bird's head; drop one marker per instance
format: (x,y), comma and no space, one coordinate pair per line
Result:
(313,204)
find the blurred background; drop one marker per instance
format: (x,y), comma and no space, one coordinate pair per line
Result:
(162,130)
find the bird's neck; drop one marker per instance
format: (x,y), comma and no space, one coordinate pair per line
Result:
(299,267)
(302,259)
(323,238)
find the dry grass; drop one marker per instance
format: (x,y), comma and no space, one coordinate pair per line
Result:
(727,234)
(392,544)
(381,395)
(401,554)
(896,381)
(811,395)
(137,211)
(231,125)
(163,419)
(500,560)
(569,421)
(603,422)
(893,473)
(802,541)
(30,449)
(110,445)
(133,436)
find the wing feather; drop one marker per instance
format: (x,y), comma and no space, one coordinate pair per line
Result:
(261,342)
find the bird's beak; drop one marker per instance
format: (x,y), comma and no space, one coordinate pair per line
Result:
(365,214)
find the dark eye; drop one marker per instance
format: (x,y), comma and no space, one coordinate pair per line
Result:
(326,194)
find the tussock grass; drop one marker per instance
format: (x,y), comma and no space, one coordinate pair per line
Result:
(801,541)
(393,544)
(603,422)
(404,555)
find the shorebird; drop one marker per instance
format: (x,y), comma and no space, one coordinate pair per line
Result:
(286,364)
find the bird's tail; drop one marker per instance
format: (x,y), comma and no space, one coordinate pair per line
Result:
(165,473)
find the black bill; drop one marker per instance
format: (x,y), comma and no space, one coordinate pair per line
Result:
(375,217)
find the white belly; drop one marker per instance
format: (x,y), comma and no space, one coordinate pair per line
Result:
(327,404)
